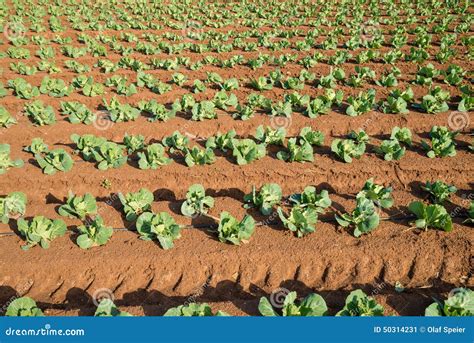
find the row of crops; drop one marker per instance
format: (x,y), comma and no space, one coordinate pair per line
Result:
(442,36)
(297,212)
(98,69)
(108,154)
(399,101)
(285,304)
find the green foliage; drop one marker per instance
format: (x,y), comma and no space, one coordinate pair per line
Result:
(361,103)
(230,84)
(470,213)
(160,226)
(196,203)
(311,306)
(136,203)
(354,147)
(293,83)
(178,79)
(86,144)
(121,112)
(23,307)
(94,233)
(157,110)
(312,199)
(426,74)
(439,191)
(6,120)
(235,232)
(54,160)
(70,51)
(12,206)
(467,99)
(37,146)
(442,142)
(297,152)
(176,142)
(108,155)
(389,79)
(460,302)
(193,310)
(3,91)
(435,101)
(77,112)
(362,74)
(247,151)
(431,216)
(222,100)
(323,103)
(307,135)
(358,304)
(394,105)
(55,87)
(77,206)
(23,69)
(107,308)
(196,156)
(199,86)
(91,88)
(40,231)
(403,135)
(283,109)
(153,157)
(40,114)
(221,141)
(203,110)
(269,136)
(391,150)
(5,161)
(262,83)
(269,195)
(454,75)
(300,220)
(364,218)
(18,52)
(380,195)
(133,143)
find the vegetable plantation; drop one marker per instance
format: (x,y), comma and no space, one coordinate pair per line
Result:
(200,158)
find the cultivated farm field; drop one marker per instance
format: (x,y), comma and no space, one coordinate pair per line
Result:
(236,157)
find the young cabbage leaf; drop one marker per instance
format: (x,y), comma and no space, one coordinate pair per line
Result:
(23,307)
(233,231)
(358,304)
(160,226)
(94,233)
(311,306)
(77,206)
(196,203)
(136,203)
(41,231)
